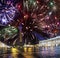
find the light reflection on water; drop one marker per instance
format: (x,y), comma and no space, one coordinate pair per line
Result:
(28,52)
(49,52)
(42,52)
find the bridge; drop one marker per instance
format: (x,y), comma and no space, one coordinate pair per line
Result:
(50,42)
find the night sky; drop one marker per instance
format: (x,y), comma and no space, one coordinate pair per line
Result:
(35,19)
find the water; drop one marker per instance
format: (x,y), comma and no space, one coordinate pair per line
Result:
(41,52)
(49,52)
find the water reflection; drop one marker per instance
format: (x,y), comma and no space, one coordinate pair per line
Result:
(16,53)
(28,52)
(41,52)
(49,52)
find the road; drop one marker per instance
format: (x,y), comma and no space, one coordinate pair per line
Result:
(47,52)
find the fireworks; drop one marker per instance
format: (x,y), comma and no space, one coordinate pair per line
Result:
(7,12)
(37,19)
(8,33)
(36,14)
(44,15)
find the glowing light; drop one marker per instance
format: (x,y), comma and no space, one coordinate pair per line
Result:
(27,28)
(14,50)
(37,1)
(47,17)
(34,3)
(29,49)
(54,8)
(58,23)
(18,6)
(26,16)
(51,3)
(25,49)
(7,13)
(4,21)
(50,13)
(55,17)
